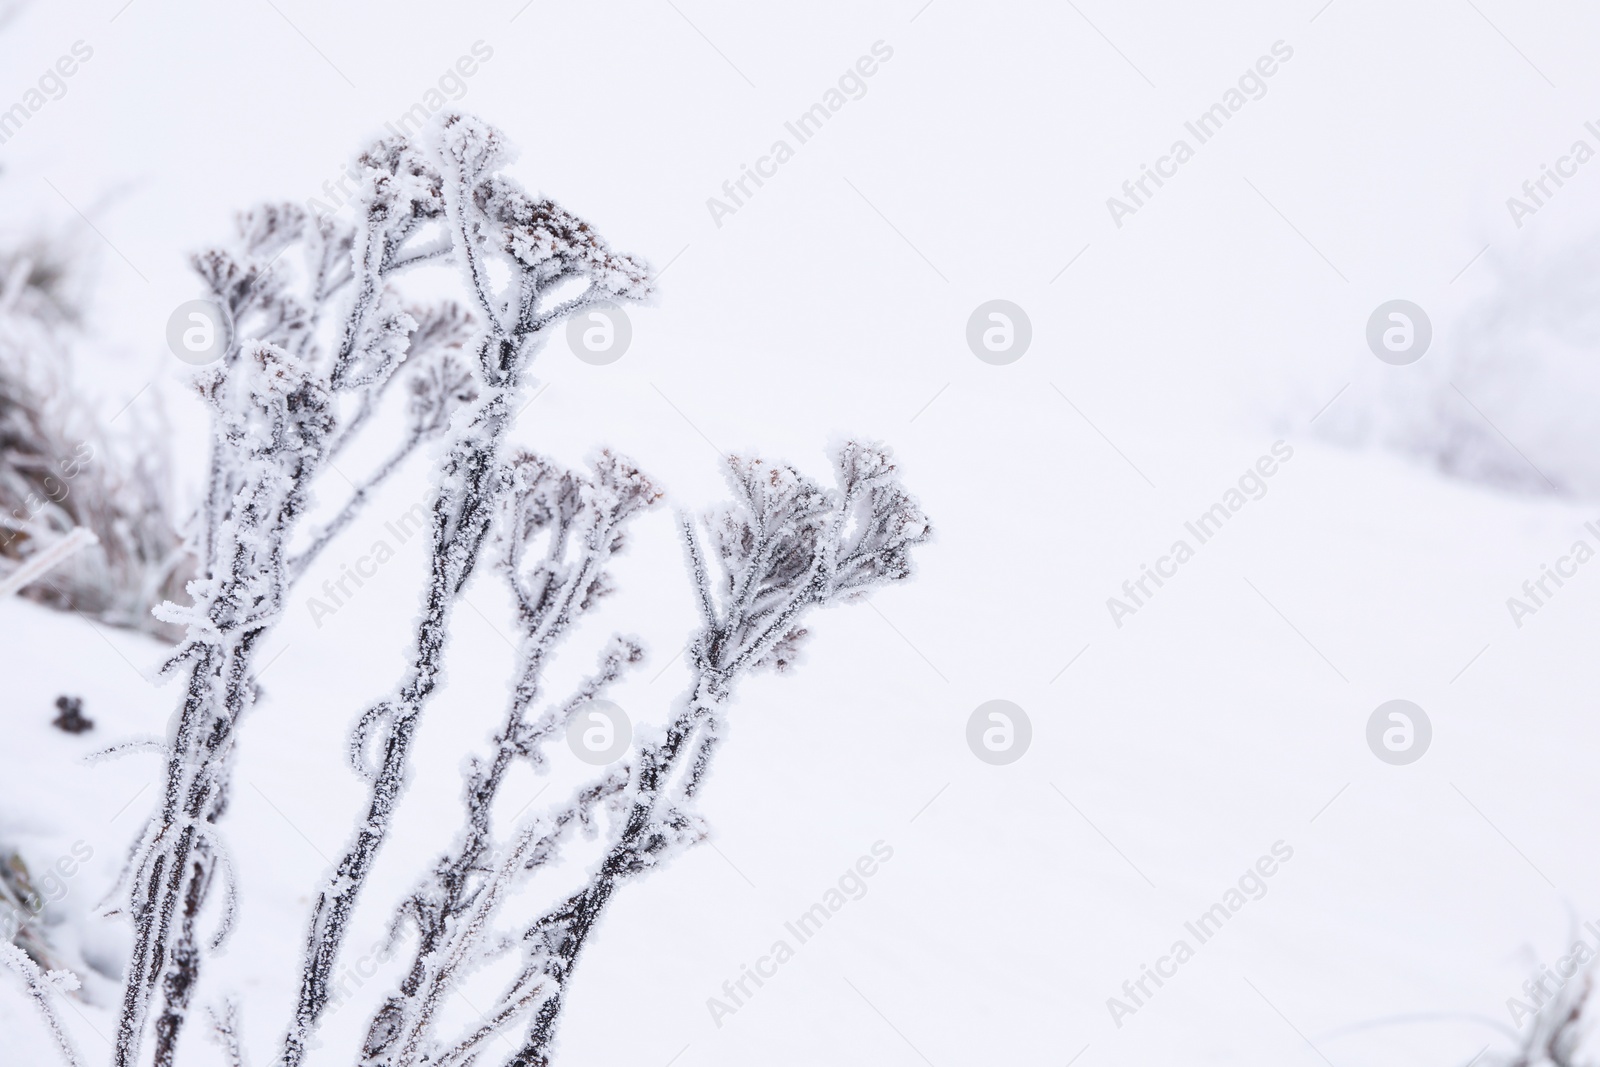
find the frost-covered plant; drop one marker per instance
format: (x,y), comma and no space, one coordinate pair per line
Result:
(579,521)
(783,546)
(310,358)
(40,984)
(62,472)
(284,401)
(1556,1020)
(225,1032)
(528,265)
(1560,1032)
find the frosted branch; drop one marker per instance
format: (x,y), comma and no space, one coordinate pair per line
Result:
(40,985)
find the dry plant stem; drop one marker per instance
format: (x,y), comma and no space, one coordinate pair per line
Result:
(454,921)
(784,547)
(274,409)
(584,519)
(225,1032)
(545,248)
(460,522)
(38,985)
(577,916)
(173,869)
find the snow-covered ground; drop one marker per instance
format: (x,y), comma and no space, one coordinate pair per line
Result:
(1222,722)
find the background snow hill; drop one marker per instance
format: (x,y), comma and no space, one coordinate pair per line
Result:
(1169,754)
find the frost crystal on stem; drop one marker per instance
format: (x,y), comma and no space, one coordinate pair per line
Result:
(783,546)
(547,252)
(282,406)
(579,521)
(39,984)
(311,359)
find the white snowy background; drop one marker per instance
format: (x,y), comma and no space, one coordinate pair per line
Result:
(1168,754)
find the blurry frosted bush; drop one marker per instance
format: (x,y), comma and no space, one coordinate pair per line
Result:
(1508,393)
(64,466)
